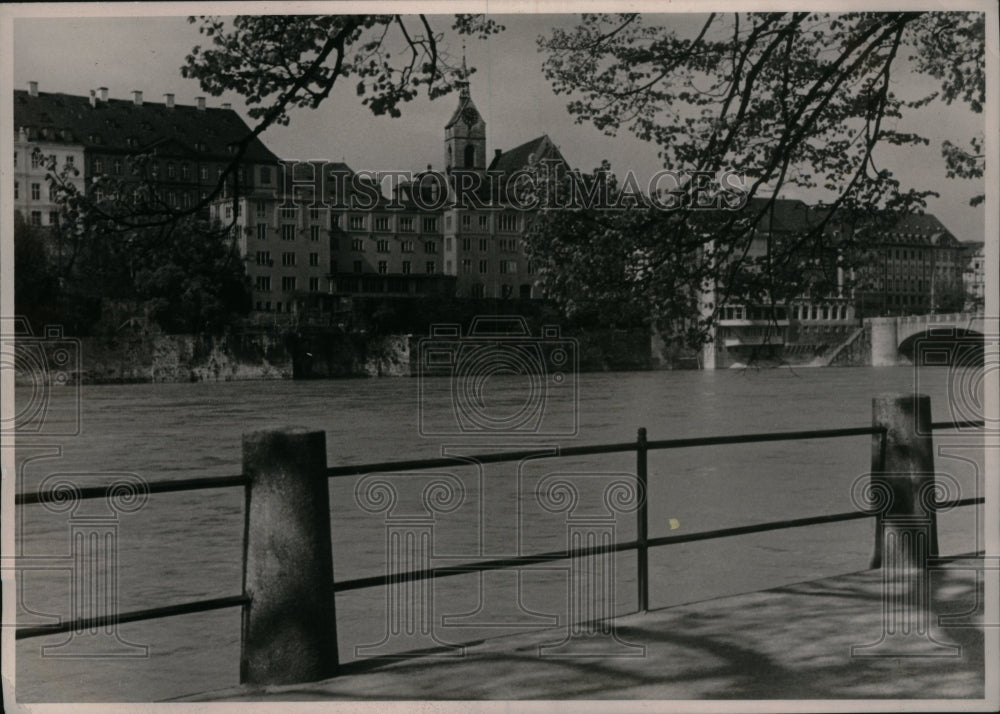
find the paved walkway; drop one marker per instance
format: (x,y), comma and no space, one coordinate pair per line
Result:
(792,642)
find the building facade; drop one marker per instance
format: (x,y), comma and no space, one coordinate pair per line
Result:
(186,148)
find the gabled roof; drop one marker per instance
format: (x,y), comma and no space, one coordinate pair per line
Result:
(913,228)
(120,125)
(522,156)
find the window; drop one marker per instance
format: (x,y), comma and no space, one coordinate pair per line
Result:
(531,268)
(381,223)
(263,283)
(287,231)
(314,285)
(356,223)
(288,283)
(406,267)
(35,161)
(358,244)
(447,222)
(36,218)
(313,214)
(314,233)
(52,193)
(466,266)
(478,290)
(171,170)
(447,243)
(383,267)
(265,175)
(229,210)
(503,267)
(483,266)
(261,231)
(430,225)
(185,171)
(17,190)
(430,247)
(172,200)
(36,191)
(507,223)
(447,267)
(203,173)
(53,218)
(382,245)
(314,260)
(430,267)
(290,213)
(406,246)
(484,244)
(484,222)
(357,266)
(406,225)
(288,259)
(334,220)
(155,169)
(466,221)
(261,209)
(263,257)
(466,244)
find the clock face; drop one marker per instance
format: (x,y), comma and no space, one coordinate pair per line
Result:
(470,116)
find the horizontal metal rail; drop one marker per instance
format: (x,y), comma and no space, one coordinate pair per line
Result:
(627,446)
(190,484)
(86,623)
(551,556)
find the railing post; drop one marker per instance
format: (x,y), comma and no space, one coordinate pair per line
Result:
(903,470)
(290,625)
(905,492)
(642,521)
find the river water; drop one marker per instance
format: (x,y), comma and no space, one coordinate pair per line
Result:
(185,546)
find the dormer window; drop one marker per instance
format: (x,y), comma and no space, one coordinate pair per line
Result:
(132,142)
(200,146)
(94,138)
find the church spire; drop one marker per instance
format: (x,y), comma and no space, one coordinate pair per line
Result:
(463,83)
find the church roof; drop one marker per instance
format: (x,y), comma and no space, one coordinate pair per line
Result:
(522,156)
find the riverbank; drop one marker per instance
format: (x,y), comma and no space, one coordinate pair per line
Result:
(793,642)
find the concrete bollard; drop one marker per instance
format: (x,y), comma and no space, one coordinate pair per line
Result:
(903,472)
(290,626)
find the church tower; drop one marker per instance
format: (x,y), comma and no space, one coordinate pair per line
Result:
(465,132)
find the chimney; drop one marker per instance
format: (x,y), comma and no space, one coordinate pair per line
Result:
(137,97)
(93,98)
(168,99)
(33,88)
(104,93)
(201,103)
(496,153)
(227,105)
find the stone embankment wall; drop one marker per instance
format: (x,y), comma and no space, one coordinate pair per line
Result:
(164,358)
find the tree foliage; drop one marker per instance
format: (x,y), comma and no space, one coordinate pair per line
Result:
(793,99)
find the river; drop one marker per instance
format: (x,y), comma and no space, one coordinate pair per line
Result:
(186,546)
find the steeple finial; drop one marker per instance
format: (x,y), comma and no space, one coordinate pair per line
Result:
(463,83)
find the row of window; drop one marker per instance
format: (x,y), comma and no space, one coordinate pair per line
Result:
(288,231)
(288,258)
(36,218)
(382,267)
(36,159)
(288,284)
(383,224)
(506,223)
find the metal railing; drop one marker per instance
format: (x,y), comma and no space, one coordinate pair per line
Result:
(641,544)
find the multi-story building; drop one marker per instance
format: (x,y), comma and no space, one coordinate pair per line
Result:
(974,275)
(916,266)
(188,147)
(37,151)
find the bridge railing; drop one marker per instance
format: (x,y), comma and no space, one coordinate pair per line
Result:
(288,595)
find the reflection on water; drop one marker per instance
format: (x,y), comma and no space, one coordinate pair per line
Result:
(184,546)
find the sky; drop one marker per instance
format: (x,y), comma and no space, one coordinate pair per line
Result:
(509,88)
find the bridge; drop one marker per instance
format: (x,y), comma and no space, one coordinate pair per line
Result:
(895,340)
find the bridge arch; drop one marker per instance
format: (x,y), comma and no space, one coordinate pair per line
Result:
(944,346)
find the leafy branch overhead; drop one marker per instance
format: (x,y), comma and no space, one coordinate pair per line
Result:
(795,100)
